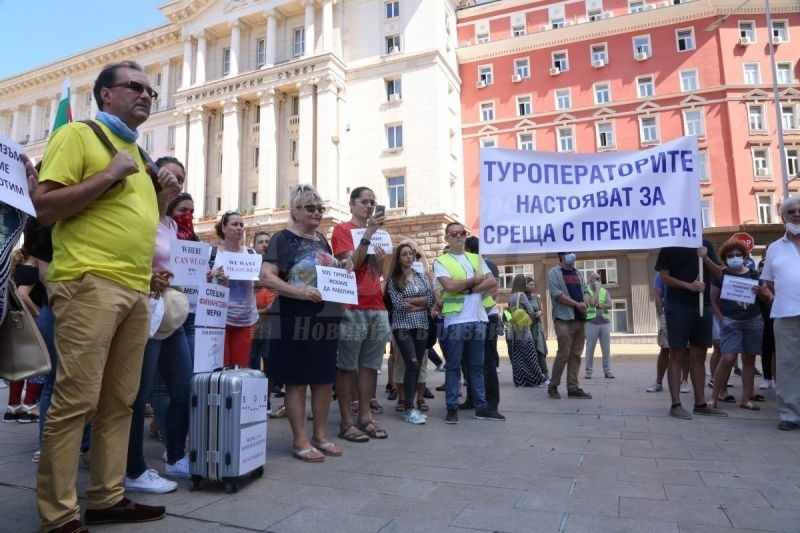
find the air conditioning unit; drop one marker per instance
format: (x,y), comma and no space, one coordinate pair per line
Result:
(394,97)
(608,14)
(777,39)
(394,50)
(744,41)
(466,43)
(516,78)
(555,71)
(663,4)
(581,20)
(569,23)
(761,171)
(480,84)
(641,56)
(598,63)
(649,6)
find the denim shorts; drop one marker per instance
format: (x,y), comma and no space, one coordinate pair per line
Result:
(685,326)
(363,334)
(741,336)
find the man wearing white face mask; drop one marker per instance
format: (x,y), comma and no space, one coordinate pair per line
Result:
(567,287)
(782,274)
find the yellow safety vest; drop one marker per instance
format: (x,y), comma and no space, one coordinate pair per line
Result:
(454,302)
(591,312)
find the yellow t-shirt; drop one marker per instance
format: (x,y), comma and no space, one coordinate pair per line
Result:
(114,236)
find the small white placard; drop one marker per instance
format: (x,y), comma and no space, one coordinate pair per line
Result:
(254,400)
(191,295)
(13,181)
(337,285)
(209,349)
(253,446)
(244,266)
(212,306)
(379,238)
(417,266)
(188,261)
(738,289)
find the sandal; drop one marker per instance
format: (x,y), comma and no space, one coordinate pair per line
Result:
(728,399)
(354,407)
(400,407)
(373,430)
(750,406)
(392,396)
(422,406)
(353,436)
(327,448)
(375,407)
(757,398)
(309,455)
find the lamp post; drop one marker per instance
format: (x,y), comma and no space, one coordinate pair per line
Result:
(775,92)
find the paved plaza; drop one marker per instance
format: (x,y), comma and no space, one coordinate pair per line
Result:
(616,463)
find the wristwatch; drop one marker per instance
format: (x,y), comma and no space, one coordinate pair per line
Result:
(364,242)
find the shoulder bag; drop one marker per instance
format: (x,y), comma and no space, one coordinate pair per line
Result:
(23,353)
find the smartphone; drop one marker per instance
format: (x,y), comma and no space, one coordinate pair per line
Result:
(380,210)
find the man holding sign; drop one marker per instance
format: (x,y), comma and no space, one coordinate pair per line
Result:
(686,322)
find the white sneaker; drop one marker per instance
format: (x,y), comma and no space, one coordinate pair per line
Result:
(150,482)
(3,383)
(655,387)
(684,386)
(414,417)
(179,469)
(766,384)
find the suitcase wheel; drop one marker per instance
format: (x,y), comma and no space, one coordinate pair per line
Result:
(258,472)
(231,487)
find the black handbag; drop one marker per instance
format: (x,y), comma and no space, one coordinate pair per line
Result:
(23,352)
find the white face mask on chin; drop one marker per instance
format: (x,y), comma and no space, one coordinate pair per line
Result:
(792,228)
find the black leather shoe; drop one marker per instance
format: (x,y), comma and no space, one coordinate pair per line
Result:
(440,388)
(73,526)
(786,425)
(466,405)
(428,394)
(125,511)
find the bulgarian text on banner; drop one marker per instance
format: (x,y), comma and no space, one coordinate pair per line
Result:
(536,202)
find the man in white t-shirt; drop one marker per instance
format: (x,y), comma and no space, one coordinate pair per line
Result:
(782,274)
(466,283)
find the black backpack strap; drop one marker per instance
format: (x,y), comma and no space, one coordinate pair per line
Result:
(152,169)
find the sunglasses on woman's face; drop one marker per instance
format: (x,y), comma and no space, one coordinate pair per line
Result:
(311,208)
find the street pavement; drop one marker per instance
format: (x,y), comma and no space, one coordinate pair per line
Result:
(616,463)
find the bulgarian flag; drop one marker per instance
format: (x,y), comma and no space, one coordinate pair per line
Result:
(64,113)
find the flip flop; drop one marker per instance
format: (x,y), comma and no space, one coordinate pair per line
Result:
(327,448)
(757,398)
(750,406)
(373,430)
(309,455)
(728,399)
(353,436)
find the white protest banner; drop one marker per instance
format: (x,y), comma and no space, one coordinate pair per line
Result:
(337,285)
(536,202)
(191,295)
(212,306)
(244,266)
(188,261)
(209,349)
(13,181)
(738,289)
(379,238)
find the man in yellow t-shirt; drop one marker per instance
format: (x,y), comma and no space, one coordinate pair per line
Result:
(105,208)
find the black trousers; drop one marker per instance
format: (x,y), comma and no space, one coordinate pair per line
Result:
(490,361)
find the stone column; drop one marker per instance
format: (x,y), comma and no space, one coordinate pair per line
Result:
(15,118)
(327,26)
(643,316)
(236,38)
(327,140)
(270,43)
(186,75)
(231,171)
(200,69)
(309,28)
(305,134)
(196,162)
(267,151)
(165,94)
(35,127)
(181,118)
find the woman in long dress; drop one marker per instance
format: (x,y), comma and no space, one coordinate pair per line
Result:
(524,361)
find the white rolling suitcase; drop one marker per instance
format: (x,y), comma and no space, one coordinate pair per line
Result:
(227,427)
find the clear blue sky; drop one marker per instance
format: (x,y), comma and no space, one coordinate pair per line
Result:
(38,32)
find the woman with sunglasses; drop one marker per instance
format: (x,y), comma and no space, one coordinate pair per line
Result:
(304,327)
(242,310)
(410,296)
(741,325)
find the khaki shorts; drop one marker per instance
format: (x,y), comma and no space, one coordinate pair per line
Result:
(363,334)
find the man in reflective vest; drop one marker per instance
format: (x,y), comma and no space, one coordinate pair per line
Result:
(598,325)
(466,282)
